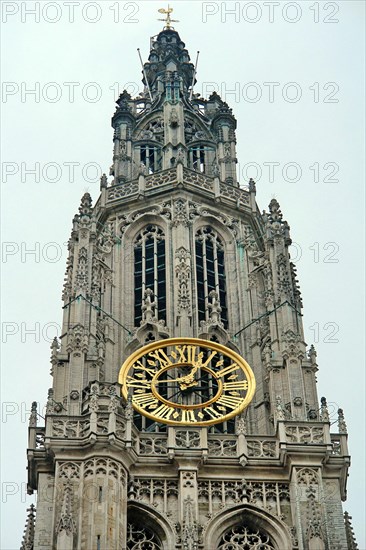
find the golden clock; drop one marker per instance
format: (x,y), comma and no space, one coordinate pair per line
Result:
(187,381)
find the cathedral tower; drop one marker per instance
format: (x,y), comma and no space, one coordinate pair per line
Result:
(175,271)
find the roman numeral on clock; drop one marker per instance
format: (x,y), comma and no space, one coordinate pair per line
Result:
(144,400)
(229,401)
(188,416)
(238,385)
(164,412)
(227,370)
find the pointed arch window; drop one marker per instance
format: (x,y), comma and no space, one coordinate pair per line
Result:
(197,158)
(210,272)
(150,271)
(151,157)
(245,538)
(140,537)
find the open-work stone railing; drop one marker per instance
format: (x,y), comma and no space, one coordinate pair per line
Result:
(146,184)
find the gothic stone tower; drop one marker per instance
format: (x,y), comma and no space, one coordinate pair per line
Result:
(174,248)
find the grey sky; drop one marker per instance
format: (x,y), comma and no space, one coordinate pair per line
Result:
(304,54)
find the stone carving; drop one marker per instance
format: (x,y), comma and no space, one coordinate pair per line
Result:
(106,467)
(180,216)
(66,522)
(234,194)
(292,348)
(164,177)
(240,425)
(183,275)
(121,191)
(160,493)
(173,119)
(307,477)
(342,426)
(262,448)
(191,529)
(305,434)
(77,340)
(324,414)
(153,445)
(61,427)
(215,309)
(69,471)
(187,439)
(33,415)
(81,281)
(222,447)
(280,411)
(215,495)
(188,479)
(148,307)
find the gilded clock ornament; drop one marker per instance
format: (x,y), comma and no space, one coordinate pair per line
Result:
(187,381)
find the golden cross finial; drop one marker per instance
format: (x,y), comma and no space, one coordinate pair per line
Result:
(168,19)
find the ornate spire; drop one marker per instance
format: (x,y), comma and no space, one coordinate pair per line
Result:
(28,537)
(168,69)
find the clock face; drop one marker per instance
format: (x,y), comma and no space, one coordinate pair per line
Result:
(187,381)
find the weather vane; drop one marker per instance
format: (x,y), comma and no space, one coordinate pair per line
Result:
(168,20)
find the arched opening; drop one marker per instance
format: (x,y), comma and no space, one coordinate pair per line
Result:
(150,272)
(147,529)
(210,273)
(246,527)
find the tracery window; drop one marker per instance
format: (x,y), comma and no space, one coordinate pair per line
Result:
(244,538)
(141,538)
(210,272)
(150,272)
(151,157)
(197,158)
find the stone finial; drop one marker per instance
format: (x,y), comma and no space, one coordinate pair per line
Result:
(274,208)
(240,425)
(180,156)
(123,100)
(351,539)
(28,537)
(55,346)
(33,415)
(104,181)
(312,355)
(129,407)
(252,186)
(132,488)
(85,208)
(324,414)
(342,426)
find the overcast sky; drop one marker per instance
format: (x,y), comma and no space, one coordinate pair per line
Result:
(293,74)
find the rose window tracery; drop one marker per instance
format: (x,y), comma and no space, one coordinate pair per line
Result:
(141,538)
(244,538)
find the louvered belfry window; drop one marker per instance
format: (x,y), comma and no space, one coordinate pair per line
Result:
(150,271)
(210,272)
